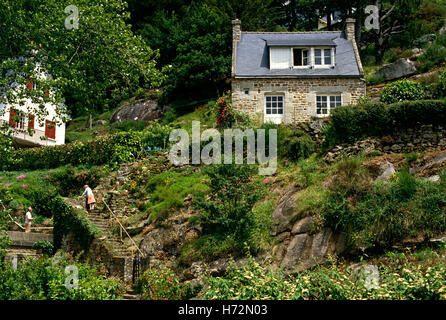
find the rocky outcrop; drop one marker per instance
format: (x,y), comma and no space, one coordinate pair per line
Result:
(398,69)
(138,110)
(297,247)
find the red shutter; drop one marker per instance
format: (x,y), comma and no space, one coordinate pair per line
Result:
(29,83)
(50,129)
(30,121)
(12,118)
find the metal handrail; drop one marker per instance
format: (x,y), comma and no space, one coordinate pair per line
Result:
(122,228)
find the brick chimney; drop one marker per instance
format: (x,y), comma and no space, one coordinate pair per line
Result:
(350,29)
(236,36)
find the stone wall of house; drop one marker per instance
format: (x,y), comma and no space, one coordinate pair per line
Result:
(299,95)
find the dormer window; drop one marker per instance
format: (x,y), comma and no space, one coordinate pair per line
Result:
(300,57)
(289,57)
(322,57)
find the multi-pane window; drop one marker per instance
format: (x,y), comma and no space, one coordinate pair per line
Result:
(300,57)
(326,102)
(274,105)
(322,57)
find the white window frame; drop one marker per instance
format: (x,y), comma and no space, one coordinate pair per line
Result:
(276,98)
(329,102)
(323,56)
(308,65)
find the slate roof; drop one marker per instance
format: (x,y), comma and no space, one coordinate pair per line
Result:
(252,55)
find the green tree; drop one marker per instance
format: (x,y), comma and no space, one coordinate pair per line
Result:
(228,210)
(96,65)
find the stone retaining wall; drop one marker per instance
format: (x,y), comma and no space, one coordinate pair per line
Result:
(426,138)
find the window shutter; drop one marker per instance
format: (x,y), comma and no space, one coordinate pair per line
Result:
(280,58)
(30,121)
(12,117)
(50,129)
(29,84)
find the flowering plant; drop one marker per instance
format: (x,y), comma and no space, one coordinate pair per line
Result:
(225,113)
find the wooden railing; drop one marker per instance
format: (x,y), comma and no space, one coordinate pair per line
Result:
(123,229)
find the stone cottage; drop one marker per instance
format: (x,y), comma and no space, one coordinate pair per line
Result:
(286,77)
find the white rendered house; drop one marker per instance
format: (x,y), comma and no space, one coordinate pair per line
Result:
(26,128)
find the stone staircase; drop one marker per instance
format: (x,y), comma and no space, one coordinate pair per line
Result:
(104,224)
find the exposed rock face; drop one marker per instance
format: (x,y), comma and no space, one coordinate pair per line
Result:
(139,110)
(297,248)
(398,69)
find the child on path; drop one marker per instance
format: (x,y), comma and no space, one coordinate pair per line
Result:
(28,219)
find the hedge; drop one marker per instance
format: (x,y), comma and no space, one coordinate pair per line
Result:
(112,149)
(352,123)
(66,220)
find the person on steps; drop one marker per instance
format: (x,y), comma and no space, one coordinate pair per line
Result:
(28,219)
(89,198)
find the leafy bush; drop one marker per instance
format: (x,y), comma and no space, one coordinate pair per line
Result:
(45,279)
(399,279)
(425,39)
(225,113)
(351,123)
(299,147)
(69,220)
(156,135)
(70,180)
(434,55)
(6,151)
(402,90)
(374,79)
(161,285)
(228,210)
(128,125)
(45,246)
(386,213)
(113,150)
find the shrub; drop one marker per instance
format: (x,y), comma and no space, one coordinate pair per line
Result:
(351,123)
(160,285)
(424,40)
(228,210)
(434,55)
(70,180)
(225,113)
(6,151)
(127,125)
(69,220)
(45,279)
(386,213)
(156,135)
(113,150)
(45,246)
(402,90)
(299,147)
(374,79)
(399,279)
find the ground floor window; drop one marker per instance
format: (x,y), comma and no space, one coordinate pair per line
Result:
(274,105)
(326,102)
